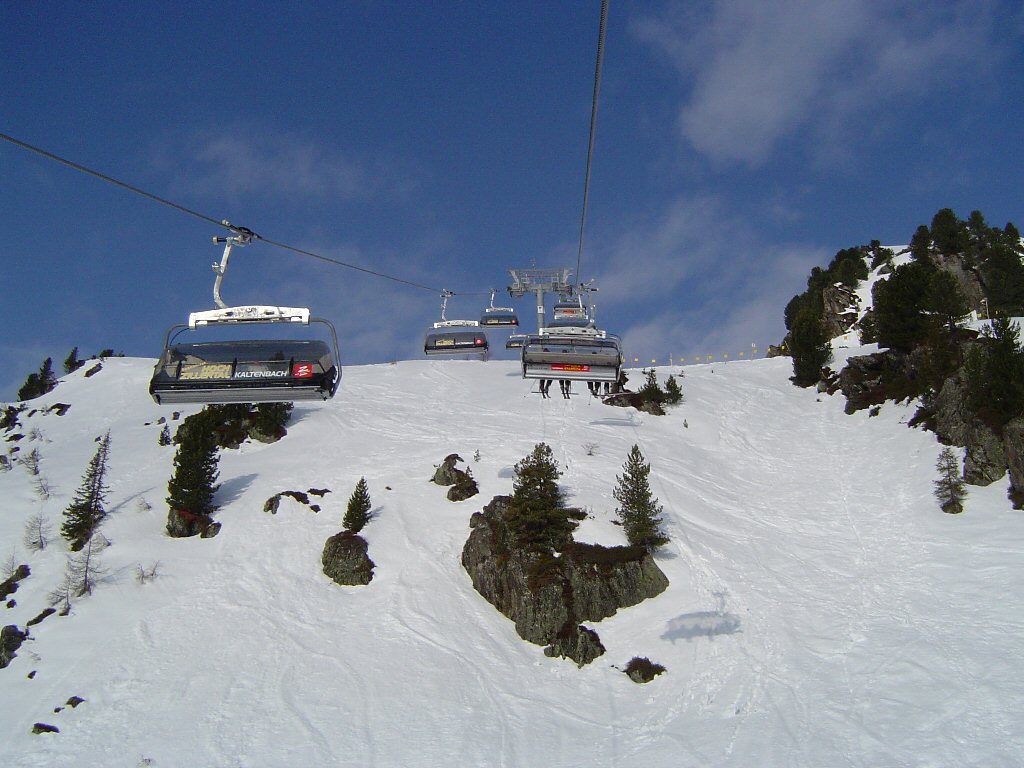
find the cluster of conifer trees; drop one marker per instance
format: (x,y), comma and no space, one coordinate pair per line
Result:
(920,303)
(539,519)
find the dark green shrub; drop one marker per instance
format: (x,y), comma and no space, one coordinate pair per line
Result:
(38,383)
(193,485)
(809,347)
(536,514)
(357,513)
(642,670)
(638,510)
(994,368)
(85,512)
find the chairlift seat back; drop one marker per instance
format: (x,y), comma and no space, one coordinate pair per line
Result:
(499,316)
(455,343)
(576,358)
(249,371)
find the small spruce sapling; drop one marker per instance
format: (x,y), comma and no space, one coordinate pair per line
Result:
(638,511)
(651,391)
(357,514)
(536,514)
(194,482)
(85,512)
(950,488)
(673,394)
(71,362)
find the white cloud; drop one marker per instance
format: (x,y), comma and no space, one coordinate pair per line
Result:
(685,241)
(760,73)
(701,279)
(239,163)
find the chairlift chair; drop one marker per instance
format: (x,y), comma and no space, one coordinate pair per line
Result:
(516,340)
(575,354)
(567,309)
(500,316)
(250,370)
(455,337)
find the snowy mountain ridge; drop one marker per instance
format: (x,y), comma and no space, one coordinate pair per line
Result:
(821,609)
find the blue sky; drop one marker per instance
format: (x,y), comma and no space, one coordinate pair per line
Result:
(739,143)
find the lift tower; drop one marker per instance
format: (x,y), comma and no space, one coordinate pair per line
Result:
(539,282)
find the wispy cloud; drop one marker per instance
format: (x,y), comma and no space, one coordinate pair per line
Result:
(702,279)
(761,73)
(244,163)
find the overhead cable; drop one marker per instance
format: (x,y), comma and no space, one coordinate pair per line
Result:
(593,130)
(210,219)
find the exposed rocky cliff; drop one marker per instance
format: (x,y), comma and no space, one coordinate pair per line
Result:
(990,451)
(548,595)
(841,309)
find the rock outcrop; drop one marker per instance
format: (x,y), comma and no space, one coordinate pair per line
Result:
(841,309)
(985,460)
(870,380)
(11,639)
(10,586)
(1013,439)
(272,504)
(463,486)
(548,595)
(345,559)
(181,524)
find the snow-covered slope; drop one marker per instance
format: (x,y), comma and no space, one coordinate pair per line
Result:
(822,610)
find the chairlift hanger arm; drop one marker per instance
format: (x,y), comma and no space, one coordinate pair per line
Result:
(242,237)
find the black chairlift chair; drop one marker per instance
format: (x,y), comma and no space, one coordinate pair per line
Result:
(250,370)
(455,337)
(499,316)
(516,341)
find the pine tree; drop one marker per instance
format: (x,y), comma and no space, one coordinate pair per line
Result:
(71,362)
(950,488)
(357,514)
(899,306)
(165,436)
(270,418)
(945,300)
(809,345)
(638,511)
(85,512)
(536,514)
(994,370)
(651,392)
(193,484)
(921,244)
(673,394)
(949,234)
(1003,276)
(38,383)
